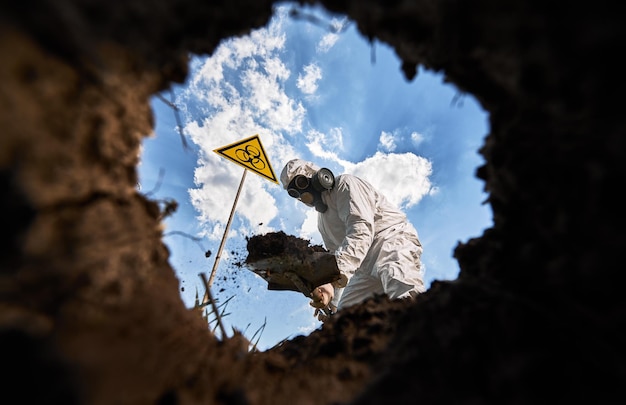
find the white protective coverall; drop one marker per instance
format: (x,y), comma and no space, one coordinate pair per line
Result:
(376,248)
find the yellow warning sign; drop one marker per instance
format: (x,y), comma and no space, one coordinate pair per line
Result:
(250,154)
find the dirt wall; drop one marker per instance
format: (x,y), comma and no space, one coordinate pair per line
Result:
(89,305)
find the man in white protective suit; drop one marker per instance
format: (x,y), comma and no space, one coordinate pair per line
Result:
(377,250)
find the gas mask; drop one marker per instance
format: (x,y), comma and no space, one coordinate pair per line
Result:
(309,190)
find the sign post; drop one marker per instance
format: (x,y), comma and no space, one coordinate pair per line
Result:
(250,154)
(230,218)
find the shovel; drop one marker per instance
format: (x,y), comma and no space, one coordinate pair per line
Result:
(301,272)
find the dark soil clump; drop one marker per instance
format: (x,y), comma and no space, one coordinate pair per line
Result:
(278,244)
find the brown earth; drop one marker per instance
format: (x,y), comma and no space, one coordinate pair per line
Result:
(278,258)
(90,310)
(273,244)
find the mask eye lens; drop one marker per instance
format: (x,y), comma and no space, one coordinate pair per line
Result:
(298,184)
(301,182)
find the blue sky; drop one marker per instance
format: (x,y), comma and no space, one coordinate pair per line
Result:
(319,91)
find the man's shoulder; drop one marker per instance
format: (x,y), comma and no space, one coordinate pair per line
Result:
(347,179)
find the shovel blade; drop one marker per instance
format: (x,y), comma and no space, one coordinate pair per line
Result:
(314,269)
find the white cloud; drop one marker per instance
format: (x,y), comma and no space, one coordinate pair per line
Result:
(276,69)
(325,146)
(268,104)
(327,42)
(403,178)
(307,83)
(417,138)
(337,25)
(387,142)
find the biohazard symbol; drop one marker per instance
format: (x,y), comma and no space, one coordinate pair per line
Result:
(250,154)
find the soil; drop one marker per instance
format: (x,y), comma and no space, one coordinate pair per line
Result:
(277,244)
(90,311)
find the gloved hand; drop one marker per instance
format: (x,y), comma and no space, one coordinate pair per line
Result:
(322,295)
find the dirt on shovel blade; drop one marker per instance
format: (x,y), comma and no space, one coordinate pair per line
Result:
(275,254)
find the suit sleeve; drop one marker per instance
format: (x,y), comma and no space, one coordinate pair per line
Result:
(356,209)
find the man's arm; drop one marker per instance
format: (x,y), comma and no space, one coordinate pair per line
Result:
(356,208)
